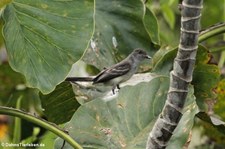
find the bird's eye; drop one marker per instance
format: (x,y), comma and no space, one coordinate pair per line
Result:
(139,52)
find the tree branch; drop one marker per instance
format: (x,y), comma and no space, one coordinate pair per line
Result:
(211,31)
(51,127)
(180,76)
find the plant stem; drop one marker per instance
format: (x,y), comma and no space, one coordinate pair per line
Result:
(17,123)
(222,56)
(40,122)
(211,31)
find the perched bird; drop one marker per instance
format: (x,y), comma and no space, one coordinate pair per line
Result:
(117,73)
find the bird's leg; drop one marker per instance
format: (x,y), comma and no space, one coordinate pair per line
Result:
(113,90)
(118,86)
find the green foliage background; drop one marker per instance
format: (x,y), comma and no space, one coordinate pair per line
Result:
(42,40)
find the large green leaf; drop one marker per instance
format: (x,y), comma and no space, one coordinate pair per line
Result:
(168,14)
(214,127)
(220,104)
(213,122)
(87,91)
(163,60)
(44,38)
(205,75)
(125,121)
(59,105)
(119,28)
(9,81)
(151,25)
(12,87)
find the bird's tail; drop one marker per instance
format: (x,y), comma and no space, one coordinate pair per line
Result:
(83,79)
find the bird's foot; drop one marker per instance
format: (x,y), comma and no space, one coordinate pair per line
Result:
(114,87)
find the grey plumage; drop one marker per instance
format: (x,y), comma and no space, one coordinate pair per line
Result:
(117,73)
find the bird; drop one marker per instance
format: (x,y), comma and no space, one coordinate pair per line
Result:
(117,73)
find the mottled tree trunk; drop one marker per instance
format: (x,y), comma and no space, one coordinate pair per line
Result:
(180,76)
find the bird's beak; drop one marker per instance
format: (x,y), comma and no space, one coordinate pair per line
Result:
(148,57)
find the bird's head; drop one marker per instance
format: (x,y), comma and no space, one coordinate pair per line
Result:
(140,54)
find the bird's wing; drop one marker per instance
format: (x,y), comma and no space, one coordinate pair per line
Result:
(112,72)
